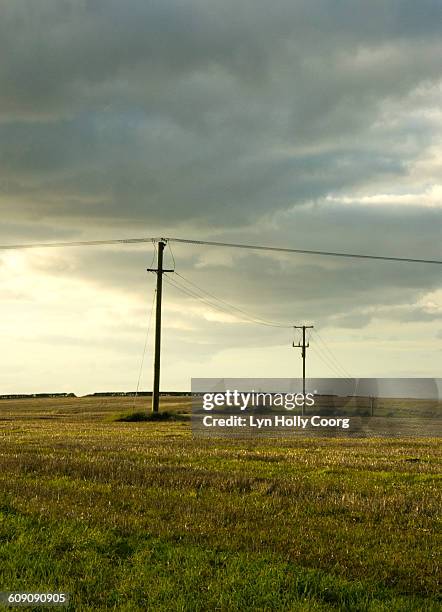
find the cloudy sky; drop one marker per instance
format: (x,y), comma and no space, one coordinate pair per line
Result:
(307,124)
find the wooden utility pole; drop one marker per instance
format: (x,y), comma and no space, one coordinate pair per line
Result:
(303,346)
(156,368)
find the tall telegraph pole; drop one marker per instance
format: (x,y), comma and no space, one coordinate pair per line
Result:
(156,370)
(303,346)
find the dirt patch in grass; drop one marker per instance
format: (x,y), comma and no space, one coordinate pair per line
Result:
(136,417)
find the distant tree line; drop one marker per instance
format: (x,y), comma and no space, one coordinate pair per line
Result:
(99,394)
(33,395)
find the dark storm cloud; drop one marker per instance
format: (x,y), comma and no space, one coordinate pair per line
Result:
(56,50)
(123,171)
(167,112)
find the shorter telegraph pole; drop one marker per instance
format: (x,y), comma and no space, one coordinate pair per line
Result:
(156,369)
(303,346)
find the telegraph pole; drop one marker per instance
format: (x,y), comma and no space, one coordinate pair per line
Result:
(156,369)
(303,346)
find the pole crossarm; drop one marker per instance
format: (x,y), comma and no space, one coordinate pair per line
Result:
(156,270)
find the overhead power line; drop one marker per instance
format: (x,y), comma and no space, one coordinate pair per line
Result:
(145,347)
(255,247)
(329,364)
(302,251)
(332,358)
(219,304)
(75,243)
(253,318)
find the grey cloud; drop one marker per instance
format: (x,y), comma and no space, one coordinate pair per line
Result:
(418,315)
(404,313)
(352,321)
(67,57)
(167,113)
(86,170)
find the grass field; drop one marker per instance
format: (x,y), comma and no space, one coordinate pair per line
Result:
(141,516)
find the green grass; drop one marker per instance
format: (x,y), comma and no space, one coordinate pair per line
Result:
(141,516)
